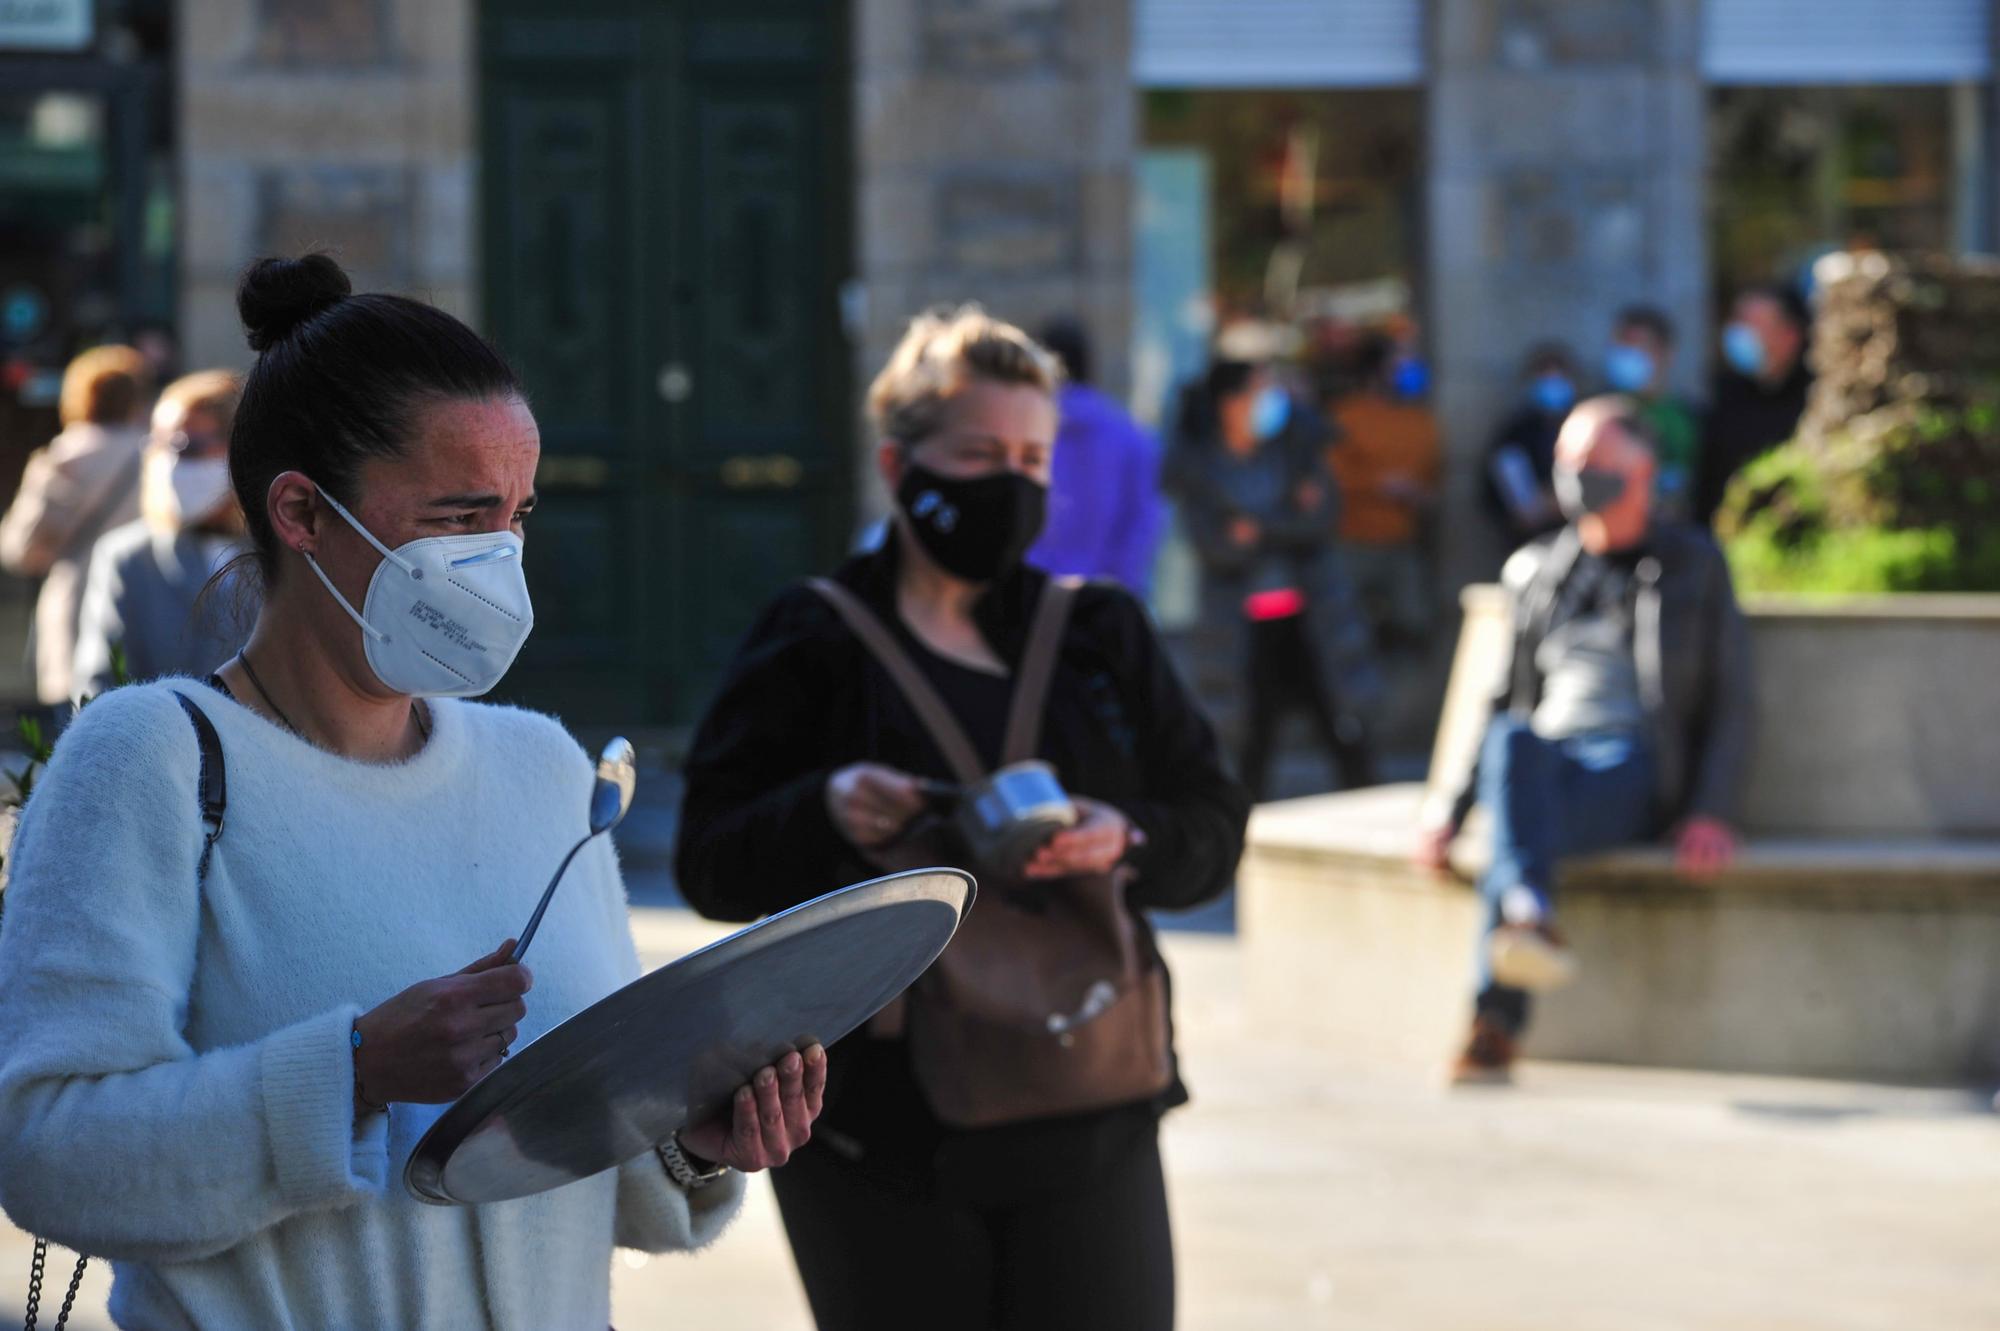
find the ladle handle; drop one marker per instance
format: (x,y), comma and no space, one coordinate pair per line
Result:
(535,920)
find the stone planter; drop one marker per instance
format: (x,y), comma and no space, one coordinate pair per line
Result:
(1854,937)
(1821,956)
(1876,716)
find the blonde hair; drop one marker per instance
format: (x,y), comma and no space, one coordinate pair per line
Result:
(941,351)
(214,391)
(104,386)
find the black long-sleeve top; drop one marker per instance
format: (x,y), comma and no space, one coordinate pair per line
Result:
(803,698)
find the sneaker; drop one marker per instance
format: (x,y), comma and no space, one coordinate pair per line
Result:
(1531,957)
(1488,1059)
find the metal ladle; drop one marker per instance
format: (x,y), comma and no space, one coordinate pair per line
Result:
(617,775)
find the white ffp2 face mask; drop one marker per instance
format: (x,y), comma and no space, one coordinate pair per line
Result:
(445,615)
(201,488)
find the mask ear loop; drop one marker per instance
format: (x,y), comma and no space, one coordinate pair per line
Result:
(366,627)
(369,537)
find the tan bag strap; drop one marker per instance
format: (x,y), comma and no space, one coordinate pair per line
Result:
(1038,664)
(945,731)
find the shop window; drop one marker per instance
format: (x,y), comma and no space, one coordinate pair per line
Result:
(1299,210)
(1802,171)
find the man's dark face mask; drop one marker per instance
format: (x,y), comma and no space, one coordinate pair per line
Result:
(1591,490)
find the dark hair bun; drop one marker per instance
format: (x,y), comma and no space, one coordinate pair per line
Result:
(277,295)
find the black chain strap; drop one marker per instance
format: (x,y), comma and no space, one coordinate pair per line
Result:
(36,1268)
(69,1299)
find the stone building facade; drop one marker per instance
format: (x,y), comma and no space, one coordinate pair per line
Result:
(992,152)
(994,143)
(993,149)
(342,124)
(1567,153)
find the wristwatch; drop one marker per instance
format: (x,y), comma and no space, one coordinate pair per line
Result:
(686,1174)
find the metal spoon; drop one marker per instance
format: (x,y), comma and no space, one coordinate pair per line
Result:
(617,774)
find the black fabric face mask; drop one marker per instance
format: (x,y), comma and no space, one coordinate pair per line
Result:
(975,529)
(1591,490)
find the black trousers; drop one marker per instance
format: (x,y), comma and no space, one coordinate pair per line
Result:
(880,1253)
(1285,677)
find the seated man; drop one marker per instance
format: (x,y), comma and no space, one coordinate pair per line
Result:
(1624,710)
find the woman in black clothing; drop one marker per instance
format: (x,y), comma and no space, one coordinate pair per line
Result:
(1280,621)
(810,767)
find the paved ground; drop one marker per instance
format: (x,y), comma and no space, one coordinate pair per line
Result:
(1310,1192)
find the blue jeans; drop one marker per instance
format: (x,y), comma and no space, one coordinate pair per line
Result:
(1551,799)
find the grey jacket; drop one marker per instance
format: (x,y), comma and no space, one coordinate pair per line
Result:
(1693,656)
(144,596)
(1297,549)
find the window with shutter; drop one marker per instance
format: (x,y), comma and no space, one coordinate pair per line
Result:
(1278,43)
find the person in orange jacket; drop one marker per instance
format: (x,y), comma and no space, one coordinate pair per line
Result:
(1385,459)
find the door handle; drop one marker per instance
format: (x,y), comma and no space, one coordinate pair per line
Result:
(770,471)
(676,383)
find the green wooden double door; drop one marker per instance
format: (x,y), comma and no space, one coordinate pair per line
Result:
(665,196)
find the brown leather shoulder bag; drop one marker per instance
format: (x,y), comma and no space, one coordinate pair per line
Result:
(1051,999)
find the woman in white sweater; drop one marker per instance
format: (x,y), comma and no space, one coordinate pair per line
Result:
(215,1060)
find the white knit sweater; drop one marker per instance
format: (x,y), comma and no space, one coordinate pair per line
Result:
(175,1070)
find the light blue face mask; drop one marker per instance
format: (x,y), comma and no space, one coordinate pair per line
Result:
(1743,349)
(1628,369)
(1270,411)
(1553,393)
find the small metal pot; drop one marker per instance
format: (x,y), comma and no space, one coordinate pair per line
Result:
(1012,814)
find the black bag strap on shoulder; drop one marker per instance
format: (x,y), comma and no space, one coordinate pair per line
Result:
(212,791)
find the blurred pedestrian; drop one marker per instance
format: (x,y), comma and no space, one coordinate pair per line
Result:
(1332,359)
(1520,458)
(84,483)
(234,988)
(1262,511)
(148,597)
(1760,389)
(1623,711)
(1639,363)
(975,1169)
(1385,460)
(1105,513)
(156,342)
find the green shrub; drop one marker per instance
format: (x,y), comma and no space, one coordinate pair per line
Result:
(1905,499)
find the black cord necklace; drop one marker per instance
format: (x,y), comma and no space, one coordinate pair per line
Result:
(243,658)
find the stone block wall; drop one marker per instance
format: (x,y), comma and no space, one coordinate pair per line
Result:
(1907,329)
(342,124)
(994,143)
(1567,154)
(1893,743)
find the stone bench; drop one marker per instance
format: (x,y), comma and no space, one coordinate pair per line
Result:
(1858,958)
